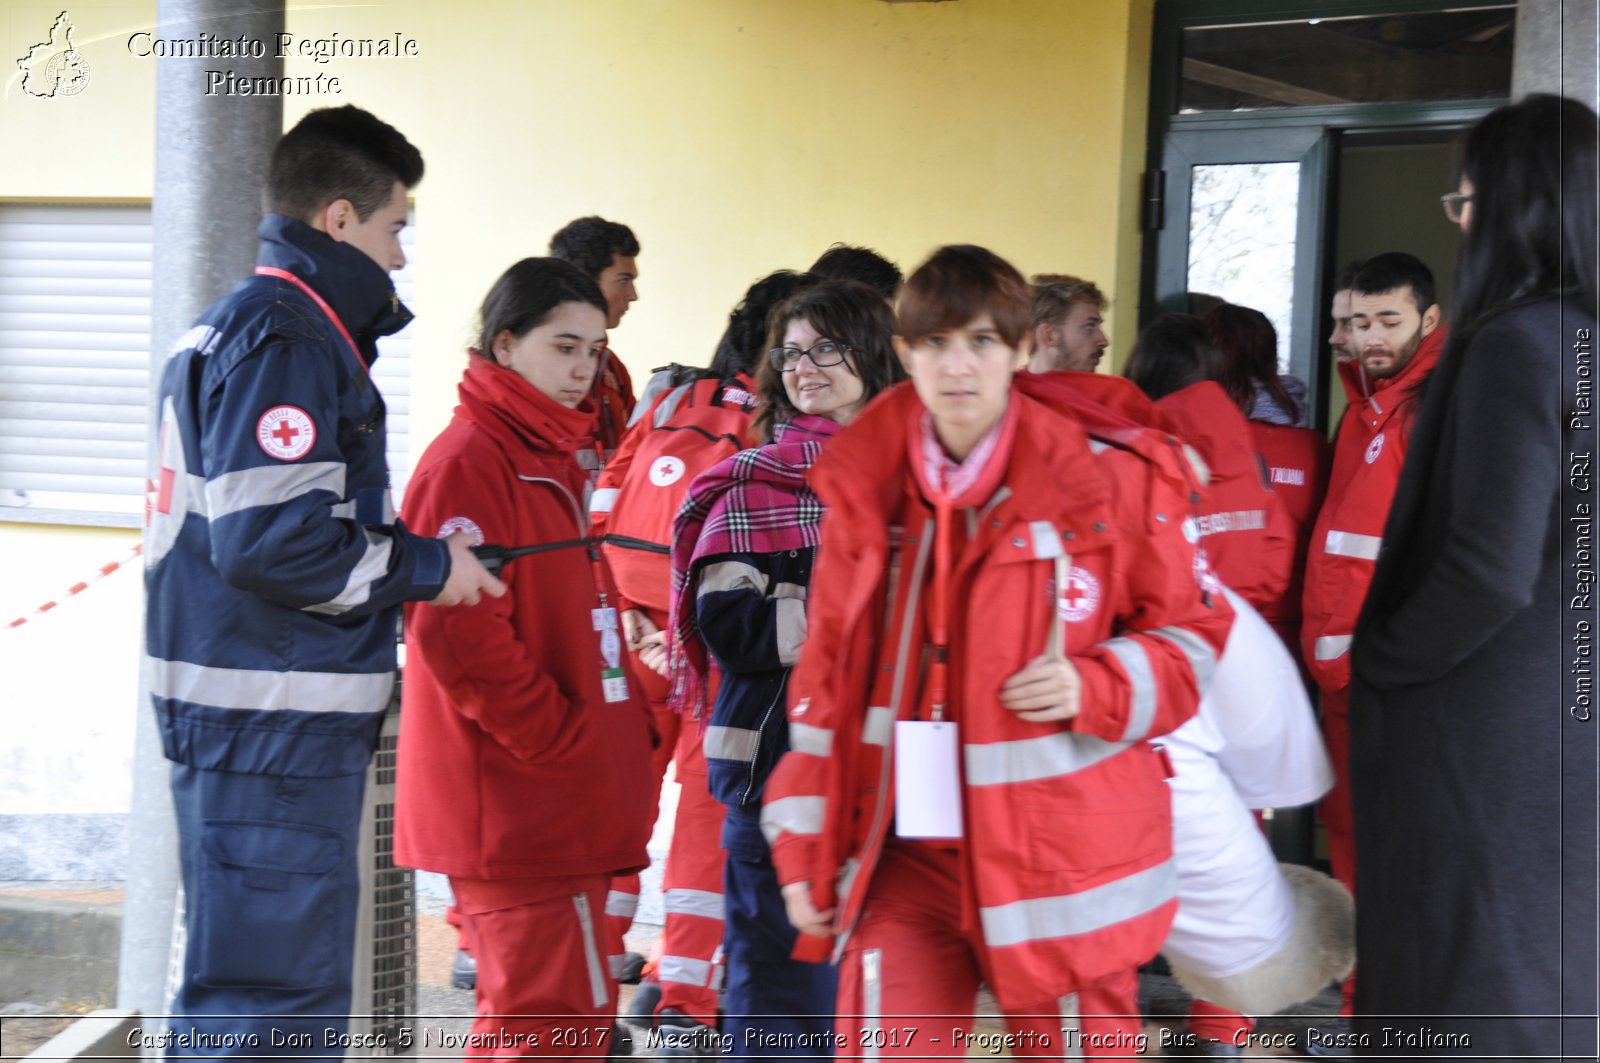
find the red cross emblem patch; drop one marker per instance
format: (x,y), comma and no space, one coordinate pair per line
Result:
(1080,597)
(286,433)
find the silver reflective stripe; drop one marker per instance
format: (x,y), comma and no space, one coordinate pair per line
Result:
(731,743)
(847,876)
(730,576)
(796,815)
(271,485)
(1071,1020)
(615,964)
(1332,647)
(598,983)
(1046,540)
(1098,447)
(790,614)
(622,905)
(200,338)
(904,650)
(358,588)
(669,403)
(703,903)
(1027,759)
(1141,684)
(603,499)
(871,1001)
(684,970)
(242,688)
(1349,544)
(1202,657)
(805,738)
(1046,918)
(878,727)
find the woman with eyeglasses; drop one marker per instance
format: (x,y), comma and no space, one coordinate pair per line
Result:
(744,546)
(1005,612)
(1472,742)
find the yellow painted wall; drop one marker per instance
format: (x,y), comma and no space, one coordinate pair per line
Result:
(735,136)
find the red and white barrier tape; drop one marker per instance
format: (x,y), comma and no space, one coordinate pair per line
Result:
(79,588)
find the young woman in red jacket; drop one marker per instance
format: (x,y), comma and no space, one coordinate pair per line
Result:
(1297,457)
(524,762)
(1004,612)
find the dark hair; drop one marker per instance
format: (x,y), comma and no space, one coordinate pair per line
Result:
(1346,277)
(959,284)
(1533,174)
(525,296)
(844,263)
(589,243)
(1054,295)
(1392,271)
(1246,346)
(846,312)
(744,342)
(1171,353)
(338,153)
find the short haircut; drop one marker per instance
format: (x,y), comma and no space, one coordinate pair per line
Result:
(1392,271)
(1171,353)
(845,263)
(337,153)
(525,296)
(1347,276)
(744,342)
(958,285)
(589,243)
(846,312)
(1054,294)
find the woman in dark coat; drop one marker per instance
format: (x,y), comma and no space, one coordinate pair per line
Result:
(1473,777)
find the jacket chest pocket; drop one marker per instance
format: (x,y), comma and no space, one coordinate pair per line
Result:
(1055,582)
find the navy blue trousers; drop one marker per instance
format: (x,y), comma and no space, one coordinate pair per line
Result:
(775,1006)
(271,890)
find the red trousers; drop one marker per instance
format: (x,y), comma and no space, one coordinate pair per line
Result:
(909,978)
(543,989)
(690,971)
(1337,819)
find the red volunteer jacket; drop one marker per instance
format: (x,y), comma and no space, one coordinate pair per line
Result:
(1367,457)
(1068,839)
(687,430)
(1298,460)
(1243,527)
(512,762)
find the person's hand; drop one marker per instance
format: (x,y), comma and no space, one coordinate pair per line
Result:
(1048,688)
(653,653)
(468,578)
(805,917)
(636,624)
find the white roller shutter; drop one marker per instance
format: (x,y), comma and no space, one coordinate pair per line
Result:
(74,363)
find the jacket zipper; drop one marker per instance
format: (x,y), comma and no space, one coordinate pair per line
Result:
(577,511)
(761,730)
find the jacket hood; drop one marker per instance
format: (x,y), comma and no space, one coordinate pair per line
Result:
(1205,416)
(359,290)
(520,416)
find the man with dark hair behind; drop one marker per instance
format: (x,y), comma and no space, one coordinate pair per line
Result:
(1068,324)
(275,570)
(841,262)
(1395,337)
(606,251)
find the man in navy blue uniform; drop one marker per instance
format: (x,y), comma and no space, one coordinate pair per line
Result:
(275,573)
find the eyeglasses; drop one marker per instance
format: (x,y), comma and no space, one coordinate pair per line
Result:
(823,353)
(1455,204)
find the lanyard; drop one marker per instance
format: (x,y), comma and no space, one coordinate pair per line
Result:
(322,304)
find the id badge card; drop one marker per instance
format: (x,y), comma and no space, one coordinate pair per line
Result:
(613,680)
(927,779)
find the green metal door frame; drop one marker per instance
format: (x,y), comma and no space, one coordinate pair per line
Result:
(1308,135)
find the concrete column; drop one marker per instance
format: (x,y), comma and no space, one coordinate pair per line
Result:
(211,162)
(1555,50)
